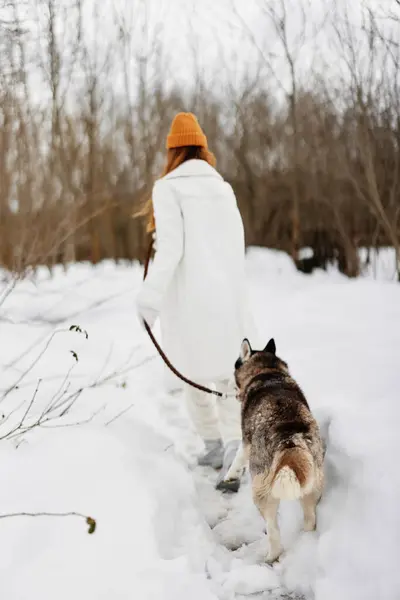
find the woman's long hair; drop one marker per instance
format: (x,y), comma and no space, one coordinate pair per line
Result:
(175,157)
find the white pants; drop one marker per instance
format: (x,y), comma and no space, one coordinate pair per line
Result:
(213,417)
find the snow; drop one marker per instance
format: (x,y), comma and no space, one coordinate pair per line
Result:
(163,531)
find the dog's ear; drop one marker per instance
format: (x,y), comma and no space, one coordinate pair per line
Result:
(245,350)
(270,347)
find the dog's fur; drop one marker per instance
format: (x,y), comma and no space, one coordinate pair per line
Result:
(281,440)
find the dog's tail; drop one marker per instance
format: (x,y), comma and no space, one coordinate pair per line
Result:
(293,475)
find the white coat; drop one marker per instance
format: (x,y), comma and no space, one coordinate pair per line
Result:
(196,282)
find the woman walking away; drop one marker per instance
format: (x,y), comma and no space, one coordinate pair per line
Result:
(196,284)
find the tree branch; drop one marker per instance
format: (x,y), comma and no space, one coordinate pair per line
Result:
(89,520)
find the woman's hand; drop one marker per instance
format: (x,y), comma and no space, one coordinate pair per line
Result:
(147,314)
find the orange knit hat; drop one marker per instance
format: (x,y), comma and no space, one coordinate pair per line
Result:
(186,131)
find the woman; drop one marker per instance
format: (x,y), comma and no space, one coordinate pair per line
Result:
(197,285)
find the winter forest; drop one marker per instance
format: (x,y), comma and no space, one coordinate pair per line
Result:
(102,496)
(300,101)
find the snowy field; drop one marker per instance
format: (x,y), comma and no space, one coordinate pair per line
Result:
(124,453)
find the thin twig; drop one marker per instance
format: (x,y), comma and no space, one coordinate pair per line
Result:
(42,514)
(32,401)
(79,312)
(27,351)
(77,423)
(9,288)
(119,414)
(89,520)
(20,425)
(33,364)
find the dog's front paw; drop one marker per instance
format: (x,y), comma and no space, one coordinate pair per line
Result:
(274,554)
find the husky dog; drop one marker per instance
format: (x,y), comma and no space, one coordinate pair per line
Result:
(281,440)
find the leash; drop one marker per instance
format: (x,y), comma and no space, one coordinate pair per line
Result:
(160,351)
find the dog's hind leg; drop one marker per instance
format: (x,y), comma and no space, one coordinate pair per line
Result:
(269,510)
(309,504)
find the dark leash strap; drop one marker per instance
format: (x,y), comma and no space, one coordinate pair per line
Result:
(160,351)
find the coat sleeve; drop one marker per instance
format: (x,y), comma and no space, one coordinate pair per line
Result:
(169,227)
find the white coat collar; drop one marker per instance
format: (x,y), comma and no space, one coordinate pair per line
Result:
(193,168)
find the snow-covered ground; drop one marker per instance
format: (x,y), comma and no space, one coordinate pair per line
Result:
(163,532)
